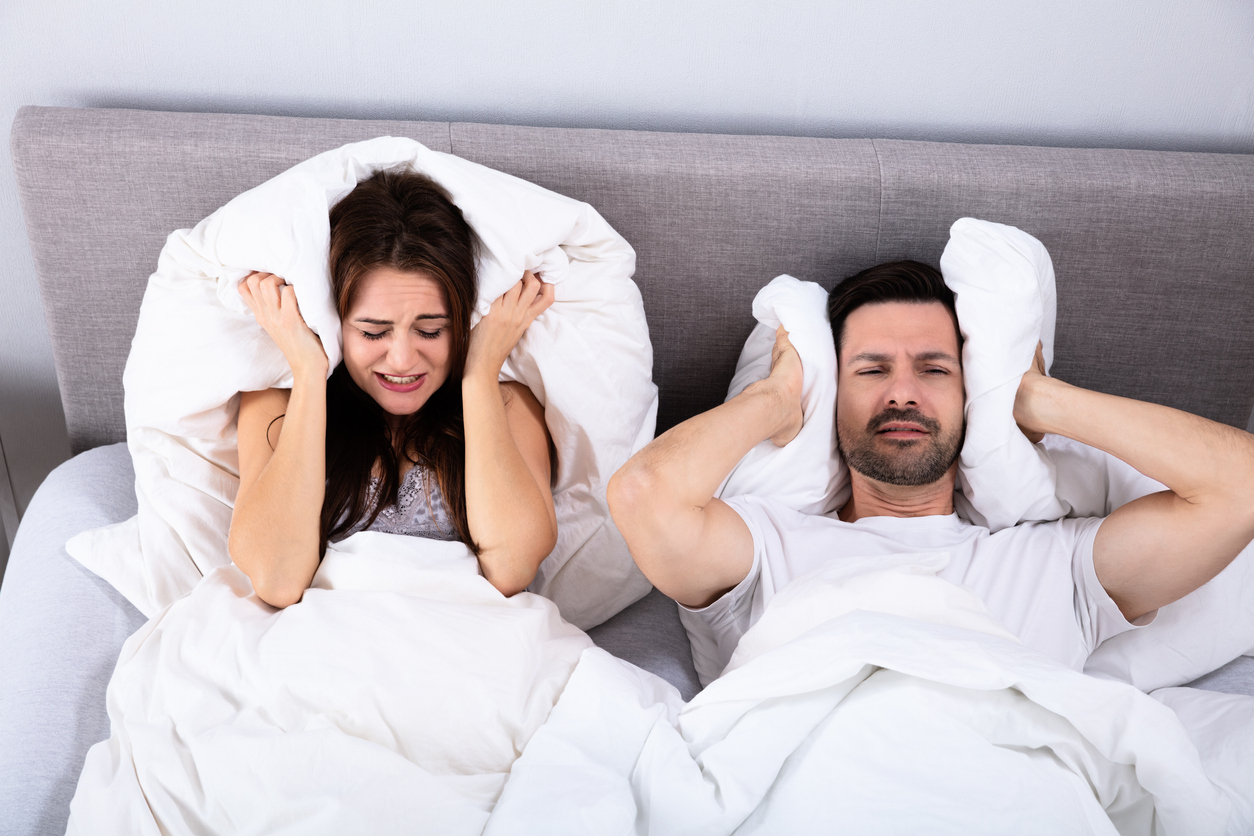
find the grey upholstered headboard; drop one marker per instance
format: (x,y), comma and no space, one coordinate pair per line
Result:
(1154,252)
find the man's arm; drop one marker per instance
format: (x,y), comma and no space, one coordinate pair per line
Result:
(1160,547)
(690,545)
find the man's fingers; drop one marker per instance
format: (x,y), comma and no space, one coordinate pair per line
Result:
(782,344)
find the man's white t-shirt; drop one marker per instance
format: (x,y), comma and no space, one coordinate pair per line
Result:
(1036,578)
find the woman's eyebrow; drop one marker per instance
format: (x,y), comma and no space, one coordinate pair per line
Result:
(369,321)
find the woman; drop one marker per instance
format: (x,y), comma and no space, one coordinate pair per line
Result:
(412,433)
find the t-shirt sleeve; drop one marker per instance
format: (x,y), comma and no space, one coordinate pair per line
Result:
(715,630)
(1099,616)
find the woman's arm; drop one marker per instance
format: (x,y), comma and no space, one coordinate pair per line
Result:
(276,524)
(509,504)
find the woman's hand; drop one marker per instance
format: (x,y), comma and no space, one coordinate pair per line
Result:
(273,301)
(496,334)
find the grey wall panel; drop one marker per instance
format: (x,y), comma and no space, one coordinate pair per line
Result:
(712,218)
(101,190)
(1153,252)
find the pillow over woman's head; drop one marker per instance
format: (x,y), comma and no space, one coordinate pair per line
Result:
(588,360)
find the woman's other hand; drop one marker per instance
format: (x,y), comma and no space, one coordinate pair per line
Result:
(273,301)
(500,329)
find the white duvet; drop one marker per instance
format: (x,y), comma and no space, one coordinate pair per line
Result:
(399,695)
(393,698)
(883,702)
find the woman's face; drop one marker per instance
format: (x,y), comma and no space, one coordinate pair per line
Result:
(398,339)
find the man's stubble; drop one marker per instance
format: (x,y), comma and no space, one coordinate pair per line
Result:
(907,463)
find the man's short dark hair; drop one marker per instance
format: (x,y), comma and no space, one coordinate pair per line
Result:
(895,281)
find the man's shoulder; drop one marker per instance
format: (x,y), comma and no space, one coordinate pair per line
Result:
(1065,531)
(772,511)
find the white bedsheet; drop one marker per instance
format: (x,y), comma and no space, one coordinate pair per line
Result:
(886,702)
(399,695)
(394,698)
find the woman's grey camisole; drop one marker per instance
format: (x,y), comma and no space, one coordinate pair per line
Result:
(420,509)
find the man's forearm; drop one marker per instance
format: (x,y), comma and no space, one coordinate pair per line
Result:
(692,459)
(688,545)
(1161,547)
(1194,457)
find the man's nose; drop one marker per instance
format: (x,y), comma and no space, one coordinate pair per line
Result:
(902,392)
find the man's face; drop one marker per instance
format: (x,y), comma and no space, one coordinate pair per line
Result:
(899,394)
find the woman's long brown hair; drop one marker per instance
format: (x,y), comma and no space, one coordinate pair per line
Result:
(405,221)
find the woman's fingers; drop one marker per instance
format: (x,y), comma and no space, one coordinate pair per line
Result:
(271,299)
(543,299)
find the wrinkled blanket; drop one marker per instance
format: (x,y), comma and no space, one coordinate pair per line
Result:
(882,702)
(405,695)
(394,698)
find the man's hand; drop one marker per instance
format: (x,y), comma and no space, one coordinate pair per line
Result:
(784,383)
(1158,548)
(1028,386)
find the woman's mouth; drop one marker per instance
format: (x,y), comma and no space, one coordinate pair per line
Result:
(400,383)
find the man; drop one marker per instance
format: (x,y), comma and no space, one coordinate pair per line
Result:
(1062,587)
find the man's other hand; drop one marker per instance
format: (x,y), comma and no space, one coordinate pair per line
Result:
(1023,399)
(784,382)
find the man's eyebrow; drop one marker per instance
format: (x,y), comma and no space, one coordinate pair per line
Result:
(868,357)
(936,355)
(871,357)
(370,321)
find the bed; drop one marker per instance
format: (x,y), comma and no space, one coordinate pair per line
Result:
(1153,254)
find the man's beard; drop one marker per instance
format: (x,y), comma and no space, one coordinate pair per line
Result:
(908,462)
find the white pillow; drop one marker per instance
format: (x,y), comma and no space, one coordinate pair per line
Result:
(1004,284)
(806,474)
(588,359)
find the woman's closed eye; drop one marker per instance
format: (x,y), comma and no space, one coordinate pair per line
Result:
(430,335)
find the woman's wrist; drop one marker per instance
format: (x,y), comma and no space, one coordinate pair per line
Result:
(480,379)
(311,372)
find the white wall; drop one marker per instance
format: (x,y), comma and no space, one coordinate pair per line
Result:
(1125,73)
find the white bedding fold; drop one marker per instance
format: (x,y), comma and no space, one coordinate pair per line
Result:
(400,694)
(868,722)
(394,698)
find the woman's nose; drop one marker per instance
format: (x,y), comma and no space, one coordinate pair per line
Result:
(401,355)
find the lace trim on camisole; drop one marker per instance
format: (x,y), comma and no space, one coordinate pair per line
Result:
(420,509)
